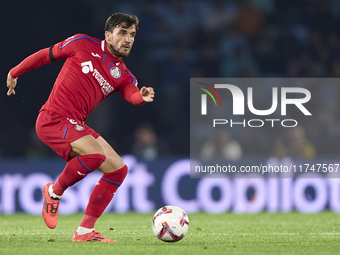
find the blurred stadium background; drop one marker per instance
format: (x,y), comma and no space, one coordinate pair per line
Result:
(176,40)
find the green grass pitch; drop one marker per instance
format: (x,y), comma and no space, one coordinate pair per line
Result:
(228,233)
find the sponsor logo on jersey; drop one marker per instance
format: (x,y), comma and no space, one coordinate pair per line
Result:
(87,67)
(115,72)
(105,87)
(79,128)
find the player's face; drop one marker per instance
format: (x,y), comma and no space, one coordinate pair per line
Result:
(121,39)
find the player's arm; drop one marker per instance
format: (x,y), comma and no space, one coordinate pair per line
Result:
(32,62)
(132,94)
(36,60)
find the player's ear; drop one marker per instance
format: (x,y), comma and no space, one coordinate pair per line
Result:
(108,36)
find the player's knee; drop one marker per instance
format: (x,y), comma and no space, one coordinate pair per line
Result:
(117,176)
(100,159)
(112,164)
(92,161)
(87,145)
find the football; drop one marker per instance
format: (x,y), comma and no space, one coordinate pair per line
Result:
(170,223)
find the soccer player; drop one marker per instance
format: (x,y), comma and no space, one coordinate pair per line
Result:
(93,70)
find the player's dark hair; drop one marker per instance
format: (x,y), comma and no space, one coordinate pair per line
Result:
(118,19)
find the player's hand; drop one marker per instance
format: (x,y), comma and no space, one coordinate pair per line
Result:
(147,93)
(11,83)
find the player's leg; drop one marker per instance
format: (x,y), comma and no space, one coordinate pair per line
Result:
(114,172)
(77,144)
(113,161)
(89,155)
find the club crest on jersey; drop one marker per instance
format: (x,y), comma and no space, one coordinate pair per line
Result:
(79,128)
(115,72)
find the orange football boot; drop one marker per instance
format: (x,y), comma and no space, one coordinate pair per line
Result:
(94,236)
(50,208)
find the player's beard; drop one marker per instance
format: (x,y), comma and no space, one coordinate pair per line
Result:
(118,53)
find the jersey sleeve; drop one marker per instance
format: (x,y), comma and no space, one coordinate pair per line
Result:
(66,48)
(63,49)
(32,62)
(130,91)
